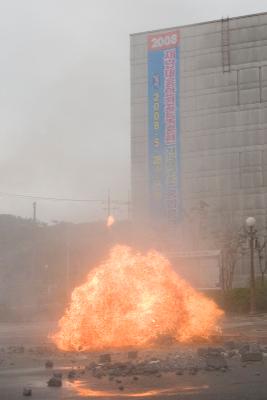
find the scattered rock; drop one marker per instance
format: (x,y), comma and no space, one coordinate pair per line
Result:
(121,387)
(49,364)
(57,375)
(72,374)
(252,356)
(92,365)
(230,345)
(207,351)
(152,367)
(209,368)
(179,372)
(202,351)
(27,391)
(232,353)
(132,355)
(216,361)
(105,358)
(54,382)
(135,378)
(193,371)
(244,349)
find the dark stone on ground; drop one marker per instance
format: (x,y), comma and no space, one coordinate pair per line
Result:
(105,358)
(202,351)
(49,364)
(121,387)
(244,348)
(252,356)
(57,375)
(230,345)
(179,372)
(132,355)
(54,382)
(193,371)
(206,351)
(27,392)
(72,374)
(216,361)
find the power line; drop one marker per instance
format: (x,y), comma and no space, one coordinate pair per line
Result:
(48,198)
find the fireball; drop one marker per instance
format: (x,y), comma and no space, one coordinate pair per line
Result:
(132,299)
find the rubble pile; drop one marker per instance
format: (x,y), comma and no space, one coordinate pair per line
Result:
(179,362)
(176,362)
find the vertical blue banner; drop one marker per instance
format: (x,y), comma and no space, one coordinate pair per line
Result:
(164,125)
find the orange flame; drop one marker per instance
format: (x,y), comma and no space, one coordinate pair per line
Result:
(132,300)
(110,221)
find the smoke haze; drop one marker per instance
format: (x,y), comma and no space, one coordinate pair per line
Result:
(65,101)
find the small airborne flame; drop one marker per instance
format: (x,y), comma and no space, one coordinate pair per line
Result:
(132,300)
(110,221)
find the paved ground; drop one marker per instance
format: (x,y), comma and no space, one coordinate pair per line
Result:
(242,381)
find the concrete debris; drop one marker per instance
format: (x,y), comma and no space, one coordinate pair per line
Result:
(230,345)
(232,353)
(49,364)
(216,362)
(57,375)
(132,355)
(72,374)
(252,356)
(178,361)
(251,352)
(104,358)
(244,348)
(16,349)
(179,372)
(54,382)
(210,351)
(193,371)
(27,391)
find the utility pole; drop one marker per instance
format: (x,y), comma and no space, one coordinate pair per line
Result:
(129,206)
(252,270)
(250,222)
(34,205)
(33,261)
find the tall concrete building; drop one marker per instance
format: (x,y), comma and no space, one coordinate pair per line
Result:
(199,122)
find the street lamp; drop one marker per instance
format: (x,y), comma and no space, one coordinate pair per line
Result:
(251,231)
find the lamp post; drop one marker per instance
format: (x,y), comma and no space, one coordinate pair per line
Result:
(250,222)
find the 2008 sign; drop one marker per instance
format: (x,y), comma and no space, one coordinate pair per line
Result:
(164,41)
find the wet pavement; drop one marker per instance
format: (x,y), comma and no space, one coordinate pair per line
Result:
(25,367)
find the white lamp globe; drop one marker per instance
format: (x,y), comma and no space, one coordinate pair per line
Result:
(250,222)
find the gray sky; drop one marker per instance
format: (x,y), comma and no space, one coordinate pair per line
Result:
(64,95)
